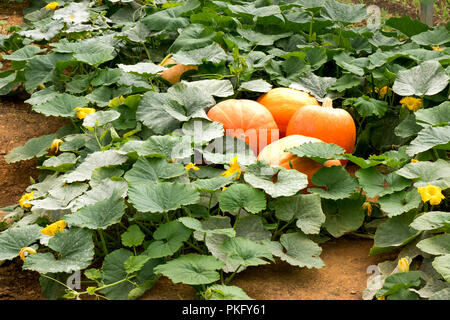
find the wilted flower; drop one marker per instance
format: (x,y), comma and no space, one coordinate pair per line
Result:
(234,167)
(83,112)
(412,103)
(191,166)
(54,228)
(26,250)
(55,145)
(26,197)
(383,91)
(403,265)
(52,6)
(431,193)
(367,206)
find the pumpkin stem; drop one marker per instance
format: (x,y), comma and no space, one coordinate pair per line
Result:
(327,103)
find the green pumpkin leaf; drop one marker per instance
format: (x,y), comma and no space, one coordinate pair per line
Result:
(429,138)
(35,147)
(427,79)
(169,238)
(205,226)
(318,151)
(343,216)
(161,197)
(349,13)
(61,105)
(75,252)
(245,252)
(426,172)
(61,163)
(368,106)
(212,53)
(222,292)
(375,183)
(398,281)
(432,220)
(258,85)
(437,245)
(441,264)
(399,202)
(434,37)
(12,240)
(241,196)
(338,182)
(193,269)
(153,169)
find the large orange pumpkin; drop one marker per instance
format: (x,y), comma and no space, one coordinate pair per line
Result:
(246,120)
(173,74)
(283,103)
(325,123)
(275,154)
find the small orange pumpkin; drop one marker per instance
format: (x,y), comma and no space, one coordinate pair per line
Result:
(283,103)
(173,74)
(325,123)
(246,120)
(275,154)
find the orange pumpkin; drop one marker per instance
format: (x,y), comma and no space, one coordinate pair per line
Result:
(173,74)
(283,103)
(275,154)
(325,123)
(246,120)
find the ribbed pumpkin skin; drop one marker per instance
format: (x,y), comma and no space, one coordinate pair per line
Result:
(283,103)
(325,123)
(239,116)
(173,74)
(274,154)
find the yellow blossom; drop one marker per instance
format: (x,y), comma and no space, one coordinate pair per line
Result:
(367,206)
(381,298)
(412,103)
(54,148)
(52,6)
(191,166)
(383,91)
(54,228)
(403,265)
(224,188)
(83,112)
(26,197)
(414,160)
(431,193)
(26,250)
(437,48)
(234,167)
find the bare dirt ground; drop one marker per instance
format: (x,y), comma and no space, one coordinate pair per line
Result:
(346,259)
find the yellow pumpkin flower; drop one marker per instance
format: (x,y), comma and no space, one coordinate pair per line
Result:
(52,6)
(381,298)
(224,188)
(414,160)
(54,148)
(26,197)
(54,228)
(412,103)
(83,112)
(403,265)
(26,250)
(191,166)
(367,206)
(383,91)
(437,48)
(431,193)
(234,167)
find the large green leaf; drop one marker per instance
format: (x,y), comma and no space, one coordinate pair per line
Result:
(92,161)
(368,106)
(100,118)
(432,220)
(276,182)
(394,232)
(212,53)
(100,215)
(142,68)
(169,237)
(193,269)
(428,78)
(305,208)
(337,11)
(133,237)
(242,196)
(170,19)
(161,197)
(318,151)
(435,37)
(245,252)
(442,265)
(433,116)
(426,172)
(252,227)
(398,281)
(375,183)
(338,182)
(407,26)
(35,147)
(61,105)
(153,169)
(222,292)
(344,215)
(437,245)
(75,250)
(204,227)
(315,85)
(428,138)
(13,240)
(296,249)
(62,163)
(202,130)
(399,202)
